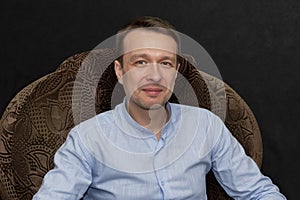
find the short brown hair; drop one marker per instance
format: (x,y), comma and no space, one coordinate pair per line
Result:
(150,23)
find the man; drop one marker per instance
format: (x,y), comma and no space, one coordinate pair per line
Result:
(147,148)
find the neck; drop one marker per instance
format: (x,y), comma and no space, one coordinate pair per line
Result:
(153,119)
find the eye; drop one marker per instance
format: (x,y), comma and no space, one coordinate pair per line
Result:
(140,63)
(166,64)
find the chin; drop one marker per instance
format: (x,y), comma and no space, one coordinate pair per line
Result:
(149,103)
(153,105)
(156,106)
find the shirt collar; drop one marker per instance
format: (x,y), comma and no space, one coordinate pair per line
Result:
(130,127)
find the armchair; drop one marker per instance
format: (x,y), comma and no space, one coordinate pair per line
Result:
(37,120)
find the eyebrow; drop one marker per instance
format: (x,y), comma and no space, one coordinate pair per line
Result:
(146,56)
(136,56)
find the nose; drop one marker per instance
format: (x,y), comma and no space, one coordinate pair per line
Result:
(154,73)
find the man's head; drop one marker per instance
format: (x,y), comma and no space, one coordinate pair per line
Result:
(148,66)
(149,23)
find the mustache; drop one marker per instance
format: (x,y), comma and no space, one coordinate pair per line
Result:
(152,86)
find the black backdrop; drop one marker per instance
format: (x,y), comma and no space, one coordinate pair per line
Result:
(255,45)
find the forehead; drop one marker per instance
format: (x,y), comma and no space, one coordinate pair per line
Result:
(144,39)
(150,54)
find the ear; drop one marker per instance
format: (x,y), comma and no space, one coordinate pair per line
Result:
(118,71)
(177,69)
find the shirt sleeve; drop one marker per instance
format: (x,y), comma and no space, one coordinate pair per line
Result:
(236,172)
(71,175)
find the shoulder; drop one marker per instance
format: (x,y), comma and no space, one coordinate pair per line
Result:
(192,112)
(91,126)
(202,125)
(204,121)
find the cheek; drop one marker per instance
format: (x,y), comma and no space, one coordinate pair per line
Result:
(131,81)
(170,79)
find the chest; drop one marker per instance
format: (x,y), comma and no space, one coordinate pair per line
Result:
(182,179)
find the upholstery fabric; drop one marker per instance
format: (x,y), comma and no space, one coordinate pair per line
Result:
(37,120)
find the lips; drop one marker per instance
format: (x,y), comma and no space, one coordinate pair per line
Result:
(152,91)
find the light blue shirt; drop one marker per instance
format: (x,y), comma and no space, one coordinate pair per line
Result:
(111,156)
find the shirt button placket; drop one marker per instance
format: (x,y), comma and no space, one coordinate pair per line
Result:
(159,172)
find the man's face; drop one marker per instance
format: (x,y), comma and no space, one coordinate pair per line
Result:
(149,68)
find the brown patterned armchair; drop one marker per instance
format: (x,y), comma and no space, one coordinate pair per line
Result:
(38,119)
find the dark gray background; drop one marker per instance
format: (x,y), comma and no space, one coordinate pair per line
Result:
(255,45)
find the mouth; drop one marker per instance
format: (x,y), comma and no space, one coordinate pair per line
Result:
(152,90)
